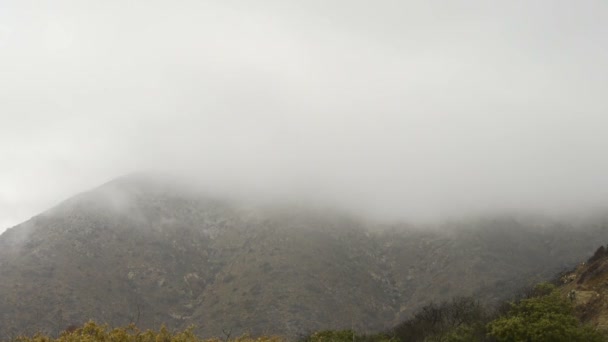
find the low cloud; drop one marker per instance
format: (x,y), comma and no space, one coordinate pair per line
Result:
(414,110)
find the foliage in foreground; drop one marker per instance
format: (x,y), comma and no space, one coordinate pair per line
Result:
(92,332)
(346,336)
(461,319)
(542,315)
(545,317)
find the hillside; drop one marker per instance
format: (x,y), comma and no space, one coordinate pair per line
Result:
(142,250)
(587,288)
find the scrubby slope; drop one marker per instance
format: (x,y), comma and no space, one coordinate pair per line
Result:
(141,250)
(587,287)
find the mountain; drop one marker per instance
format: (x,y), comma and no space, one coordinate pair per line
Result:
(146,250)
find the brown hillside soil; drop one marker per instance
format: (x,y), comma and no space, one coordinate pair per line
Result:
(587,288)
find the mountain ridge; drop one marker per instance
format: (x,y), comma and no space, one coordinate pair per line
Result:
(139,249)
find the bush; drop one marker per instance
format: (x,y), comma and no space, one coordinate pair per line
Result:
(546,317)
(345,336)
(92,332)
(462,319)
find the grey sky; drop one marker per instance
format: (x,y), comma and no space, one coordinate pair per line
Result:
(408,109)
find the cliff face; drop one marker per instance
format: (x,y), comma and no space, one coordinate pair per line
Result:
(138,250)
(587,287)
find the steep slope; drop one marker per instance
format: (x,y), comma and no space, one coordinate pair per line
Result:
(587,287)
(142,250)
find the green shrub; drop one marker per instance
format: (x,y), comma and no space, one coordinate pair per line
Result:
(461,319)
(92,332)
(345,336)
(546,317)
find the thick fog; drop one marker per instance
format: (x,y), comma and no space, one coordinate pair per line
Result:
(399,109)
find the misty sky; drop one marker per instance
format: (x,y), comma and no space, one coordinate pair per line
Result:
(406,109)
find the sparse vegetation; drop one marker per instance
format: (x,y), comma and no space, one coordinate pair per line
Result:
(180,260)
(542,314)
(545,317)
(92,332)
(346,336)
(461,319)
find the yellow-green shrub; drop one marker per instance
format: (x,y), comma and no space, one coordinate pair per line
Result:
(92,332)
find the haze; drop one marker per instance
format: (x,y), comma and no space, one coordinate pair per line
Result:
(399,109)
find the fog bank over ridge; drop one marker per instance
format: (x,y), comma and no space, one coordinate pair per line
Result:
(415,110)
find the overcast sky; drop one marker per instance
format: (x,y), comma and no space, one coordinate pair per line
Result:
(409,109)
